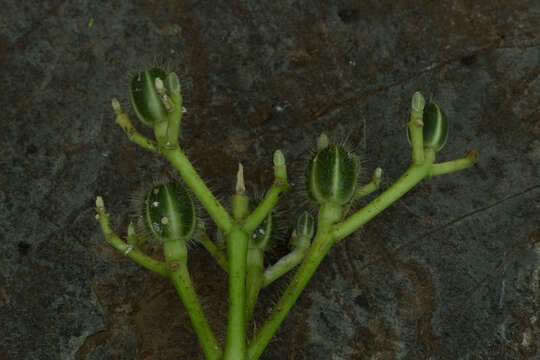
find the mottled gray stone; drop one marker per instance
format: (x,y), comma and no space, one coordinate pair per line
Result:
(448,272)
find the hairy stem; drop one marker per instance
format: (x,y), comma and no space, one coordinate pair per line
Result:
(182,282)
(216,211)
(235,344)
(407,181)
(127,249)
(254,279)
(321,244)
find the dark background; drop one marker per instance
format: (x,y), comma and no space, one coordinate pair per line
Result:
(450,271)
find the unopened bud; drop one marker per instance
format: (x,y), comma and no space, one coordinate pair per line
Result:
(99,202)
(160,87)
(418,102)
(240,184)
(279,158)
(116,106)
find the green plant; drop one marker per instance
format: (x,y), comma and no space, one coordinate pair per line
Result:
(168,214)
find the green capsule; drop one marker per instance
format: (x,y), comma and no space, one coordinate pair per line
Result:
(332,175)
(435,129)
(169,213)
(145,99)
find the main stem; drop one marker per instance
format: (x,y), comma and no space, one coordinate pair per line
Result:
(235,344)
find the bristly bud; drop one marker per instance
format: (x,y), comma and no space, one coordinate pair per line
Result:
(145,97)
(435,129)
(169,213)
(332,174)
(306,225)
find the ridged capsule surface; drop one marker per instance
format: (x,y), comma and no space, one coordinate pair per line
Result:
(332,175)
(169,213)
(146,101)
(435,131)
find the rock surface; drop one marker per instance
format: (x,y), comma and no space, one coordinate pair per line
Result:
(450,271)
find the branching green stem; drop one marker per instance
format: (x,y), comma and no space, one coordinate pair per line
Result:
(216,211)
(129,250)
(411,177)
(321,244)
(254,279)
(416,128)
(216,253)
(365,190)
(133,135)
(174,119)
(243,263)
(455,165)
(286,263)
(264,208)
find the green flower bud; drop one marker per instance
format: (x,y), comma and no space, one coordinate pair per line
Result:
(435,129)
(418,102)
(279,158)
(145,99)
(169,213)
(332,175)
